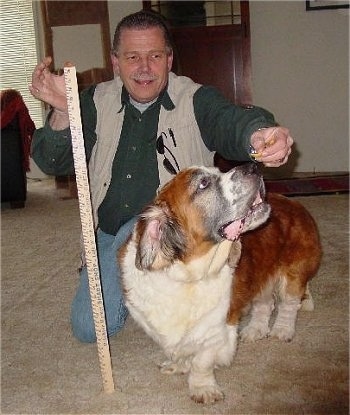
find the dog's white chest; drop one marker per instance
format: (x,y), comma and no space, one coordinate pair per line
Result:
(179,301)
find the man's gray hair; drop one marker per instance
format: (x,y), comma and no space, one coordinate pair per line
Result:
(141,20)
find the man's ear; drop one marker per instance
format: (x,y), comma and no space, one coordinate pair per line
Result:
(160,239)
(115,63)
(170,60)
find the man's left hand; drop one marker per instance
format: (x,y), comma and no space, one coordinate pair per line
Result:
(272,146)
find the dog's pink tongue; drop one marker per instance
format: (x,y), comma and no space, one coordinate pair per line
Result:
(233,230)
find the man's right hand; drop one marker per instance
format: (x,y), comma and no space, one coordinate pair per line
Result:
(48,87)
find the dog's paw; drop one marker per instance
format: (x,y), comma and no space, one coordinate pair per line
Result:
(284,333)
(252,333)
(206,394)
(171,368)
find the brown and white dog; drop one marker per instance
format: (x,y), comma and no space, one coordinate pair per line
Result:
(179,276)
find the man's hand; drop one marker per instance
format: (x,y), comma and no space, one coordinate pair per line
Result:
(51,89)
(48,87)
(272,146)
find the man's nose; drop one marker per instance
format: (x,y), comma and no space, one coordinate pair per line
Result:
(145,62)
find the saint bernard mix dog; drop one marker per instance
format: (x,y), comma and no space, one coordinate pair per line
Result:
(187,284)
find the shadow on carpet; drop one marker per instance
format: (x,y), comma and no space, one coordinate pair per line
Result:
(304,186)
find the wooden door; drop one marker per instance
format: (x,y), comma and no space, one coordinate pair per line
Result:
(216,55)
(213,56)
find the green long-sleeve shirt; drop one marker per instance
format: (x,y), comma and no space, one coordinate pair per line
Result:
(224,127)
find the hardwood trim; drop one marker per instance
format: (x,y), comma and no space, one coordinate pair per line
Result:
(71,13)
(246,51)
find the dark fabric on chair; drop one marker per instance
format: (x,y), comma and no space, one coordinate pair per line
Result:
(13,175)
(17,130)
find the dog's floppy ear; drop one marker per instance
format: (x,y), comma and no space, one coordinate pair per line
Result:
(161,239)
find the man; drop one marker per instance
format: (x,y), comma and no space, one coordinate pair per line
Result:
(139,129)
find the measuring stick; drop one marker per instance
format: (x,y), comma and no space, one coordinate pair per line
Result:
(87,225)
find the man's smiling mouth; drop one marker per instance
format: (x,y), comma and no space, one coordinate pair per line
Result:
(143,81)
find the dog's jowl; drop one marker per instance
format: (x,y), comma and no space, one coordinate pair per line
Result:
(189,269)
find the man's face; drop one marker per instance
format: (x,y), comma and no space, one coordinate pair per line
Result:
(143,63)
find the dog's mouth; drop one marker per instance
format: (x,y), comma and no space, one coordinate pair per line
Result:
(233,229)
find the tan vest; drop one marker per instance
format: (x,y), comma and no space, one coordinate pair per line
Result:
(190,149)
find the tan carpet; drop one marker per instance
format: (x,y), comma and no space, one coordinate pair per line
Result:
(46,371)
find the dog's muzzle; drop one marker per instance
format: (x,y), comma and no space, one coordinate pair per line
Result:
(233,229)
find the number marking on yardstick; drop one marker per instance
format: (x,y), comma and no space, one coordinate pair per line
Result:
(87,224)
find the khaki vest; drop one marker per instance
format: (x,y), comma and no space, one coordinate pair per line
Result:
(190,149)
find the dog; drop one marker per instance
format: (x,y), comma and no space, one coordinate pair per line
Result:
(186,284)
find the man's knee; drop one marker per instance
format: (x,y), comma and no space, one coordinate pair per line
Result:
(83,329)
(83,326)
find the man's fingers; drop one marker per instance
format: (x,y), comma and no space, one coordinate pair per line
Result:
(47,61)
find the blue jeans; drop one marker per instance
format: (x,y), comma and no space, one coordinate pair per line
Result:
(115,311)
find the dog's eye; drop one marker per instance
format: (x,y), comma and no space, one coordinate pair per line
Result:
(204,183)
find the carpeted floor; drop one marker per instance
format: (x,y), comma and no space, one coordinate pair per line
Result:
(44,370)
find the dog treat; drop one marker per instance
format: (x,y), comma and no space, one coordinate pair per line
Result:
(269,143)
(255,155)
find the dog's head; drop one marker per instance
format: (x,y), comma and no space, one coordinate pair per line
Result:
(198,208)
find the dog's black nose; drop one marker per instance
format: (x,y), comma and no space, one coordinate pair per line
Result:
(247,168)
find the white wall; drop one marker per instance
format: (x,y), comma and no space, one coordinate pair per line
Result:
(300,64)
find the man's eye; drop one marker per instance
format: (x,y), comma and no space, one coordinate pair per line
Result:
(204,183)
(132,58)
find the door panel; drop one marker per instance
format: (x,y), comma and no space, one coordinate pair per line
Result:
(213,55)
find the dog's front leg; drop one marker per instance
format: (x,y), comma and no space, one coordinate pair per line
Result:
(201,380)
(202,383)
